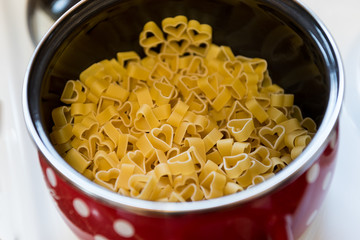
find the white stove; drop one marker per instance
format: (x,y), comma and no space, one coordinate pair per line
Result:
(26,209)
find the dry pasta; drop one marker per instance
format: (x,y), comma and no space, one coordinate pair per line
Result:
(188,121)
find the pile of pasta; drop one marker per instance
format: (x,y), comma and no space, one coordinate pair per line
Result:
(189,121)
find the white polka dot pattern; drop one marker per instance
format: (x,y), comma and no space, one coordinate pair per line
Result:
(81,208)
(327,181)
(333,140)
(50,175)
(124,228)
(313,173)
(99,237)
(312,217)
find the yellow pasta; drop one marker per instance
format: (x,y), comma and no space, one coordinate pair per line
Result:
(76,160)
(175,26)
(62,134)
(189,121)
(177,114)
(181,164)
(124,58)
(62,116)
(74,92)
(109,179)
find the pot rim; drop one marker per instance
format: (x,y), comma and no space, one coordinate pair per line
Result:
(293,170)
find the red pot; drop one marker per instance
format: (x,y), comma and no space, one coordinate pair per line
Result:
(302,58)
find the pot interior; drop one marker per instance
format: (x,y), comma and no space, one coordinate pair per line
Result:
(299,55)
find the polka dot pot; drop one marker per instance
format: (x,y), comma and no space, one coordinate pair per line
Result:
(301,58)
(284,214)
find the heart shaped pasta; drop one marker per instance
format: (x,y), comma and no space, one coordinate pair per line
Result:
(175,26)
(157,157)
(137,159)
(198,158)
(255,65)
(142,186)
(162,92)
(74,92)
(198,33)
(200,48)
(197,67)
(210,85)
(151,35)
(290,138)
(62,116)
(108,179)
(110,112)
(241,129)
(86,127)
(232,68)
(309,125)
(97,142)
(272,137)
(187,85)
(238,111)
(162,171)
(235,165)
(181,164)
(104,161)
(152,39)
(171,60)
(162,138)
(174,151)
(196,103)
(213,185)
(160,71)
(191,192)
(145,119)
(184,130)
(262,155)
(127,113)
(179,45)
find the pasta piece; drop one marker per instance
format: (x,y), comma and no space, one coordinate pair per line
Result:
(151,37)
(161,138)
(213,185)
(125,57)
(137,159)
(177,114)
(178,44)
(241,129)
(171,60)
(199,33)
(175,26)
(74,92)
(109,179)
(162,92)
(62,116)
(256,109)
(209,85)
(192,192)
(181,164)
(76,160)
(142,186)
(235,165)
(62,135)
(145,119)
(222,98)
(272,138)
(282,100)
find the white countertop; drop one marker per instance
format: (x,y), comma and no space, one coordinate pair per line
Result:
(26,210)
